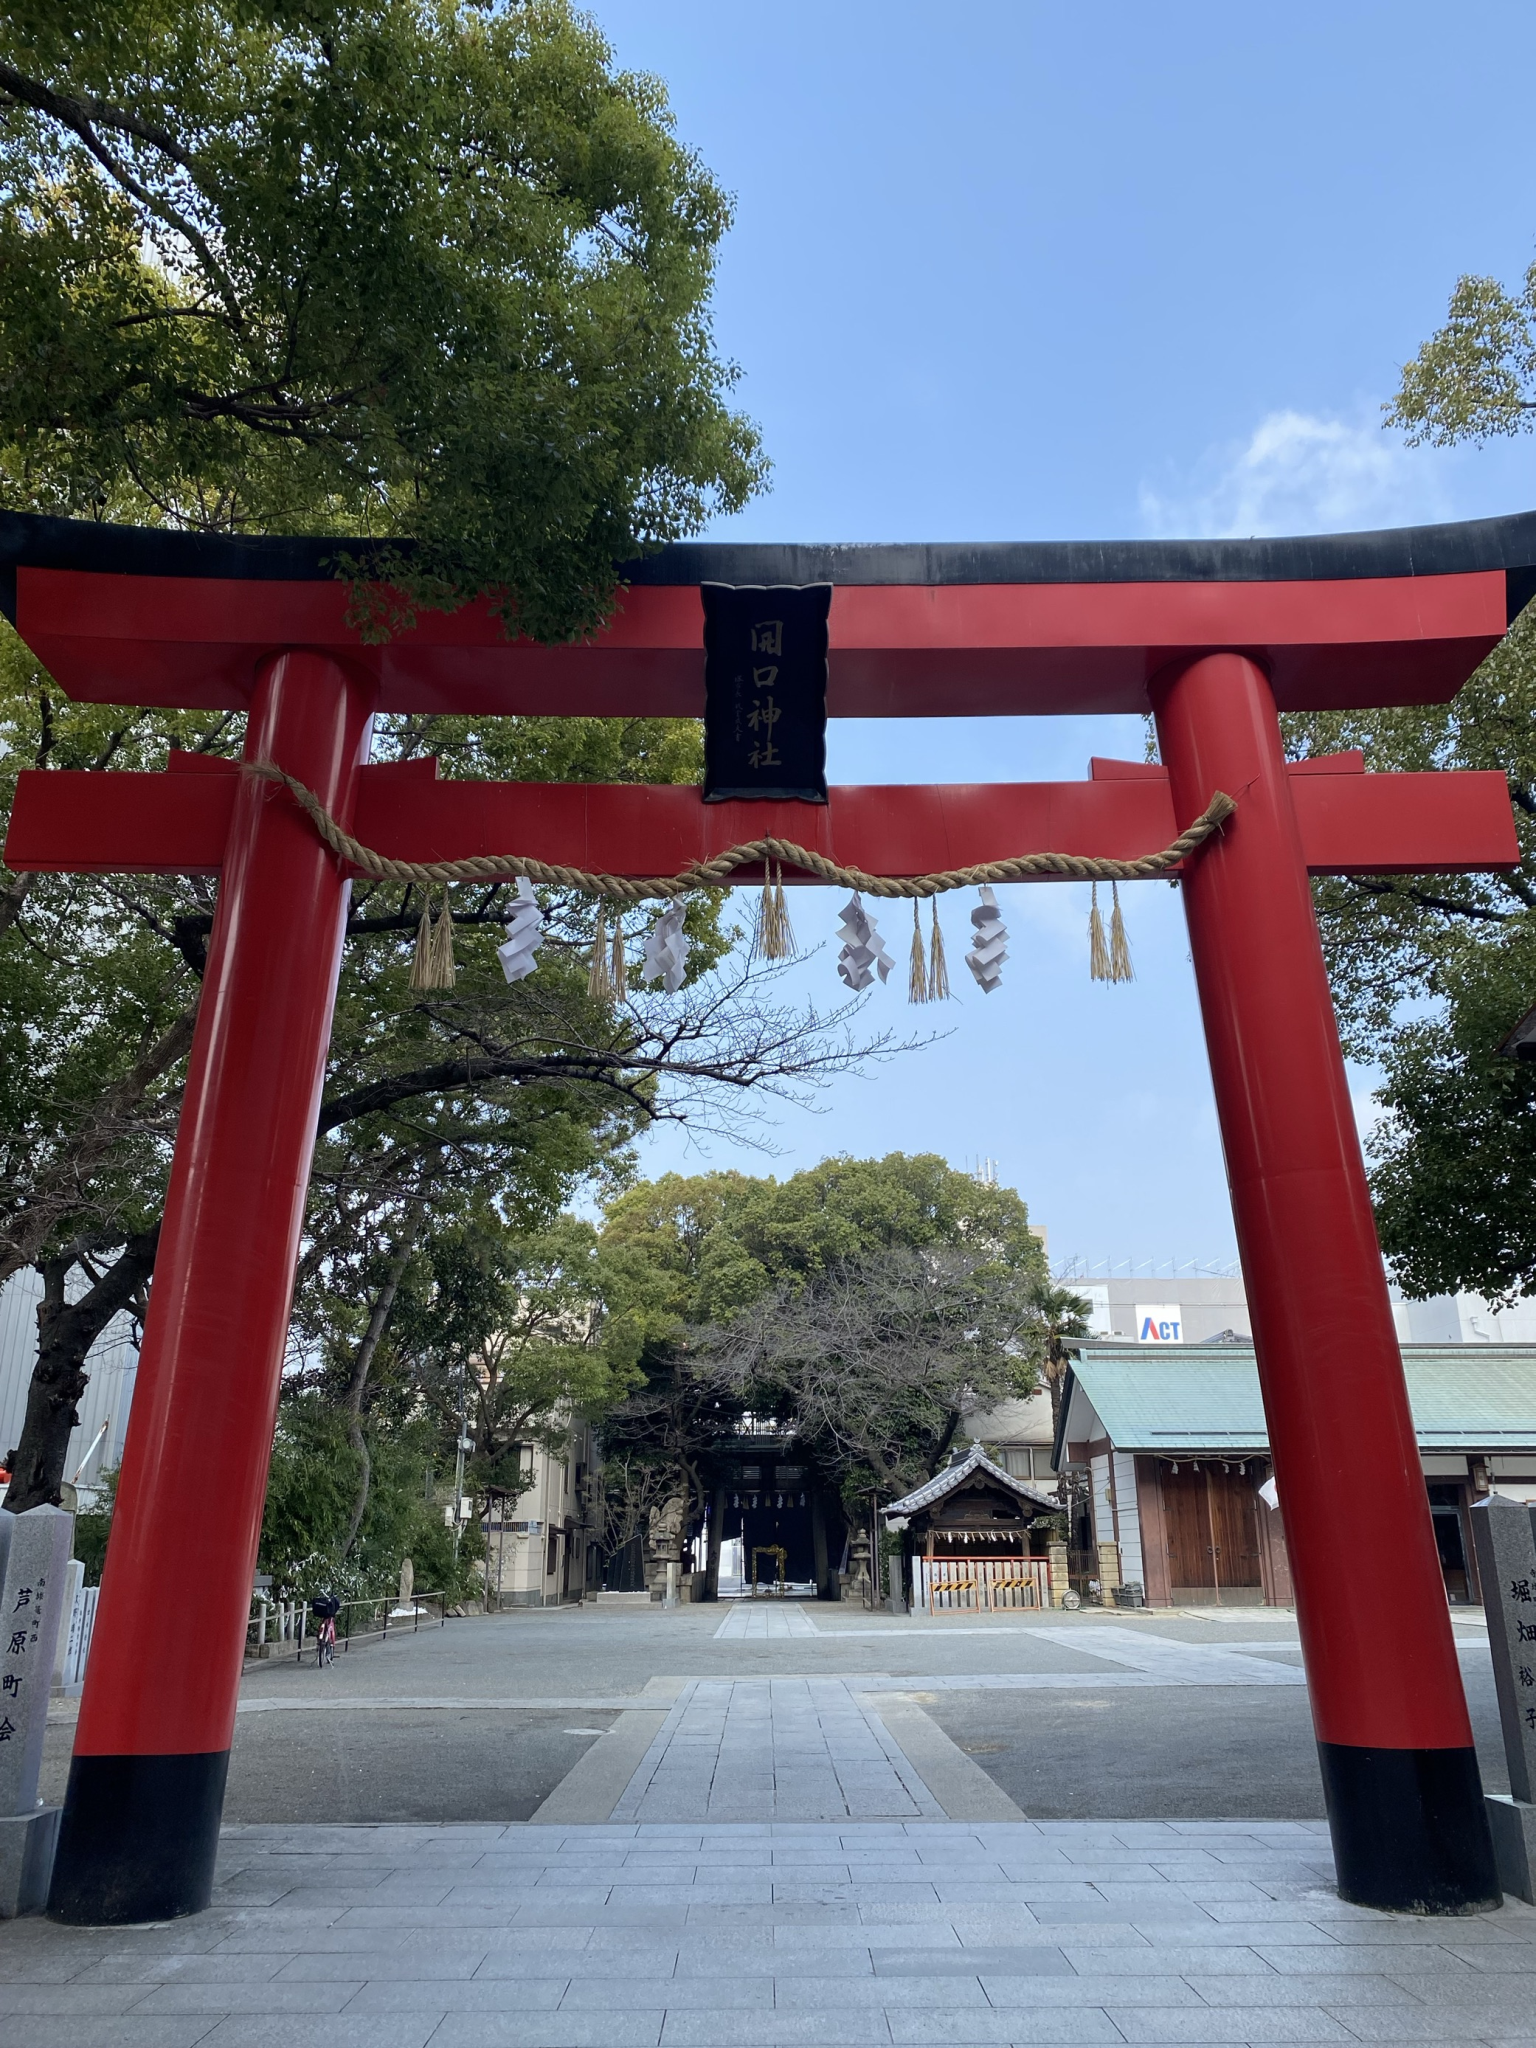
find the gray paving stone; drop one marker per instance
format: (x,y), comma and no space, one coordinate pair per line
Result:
(1010,1993)
(323,2030)
(42,1968)
(678,1994)
(1013,1963)
(1408,2023)
(405,1919)
(1363,1987)
(548,2030)
(24,2030)
(33,2000)
(1028,2024)
(479,1995)
(1385,1933)
(1491,1955)
(274,1998)
(1144,1912)
(1476,1994)
(1154,1961)
(725,2029)
(821,1994)
(1248,2023)
(418,1965)
(1239,1934)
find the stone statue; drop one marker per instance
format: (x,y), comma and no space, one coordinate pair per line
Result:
(407,1583)
(664,1532)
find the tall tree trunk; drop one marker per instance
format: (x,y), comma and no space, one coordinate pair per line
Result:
(1055,1372)
(942,1447)
(24,1231)
(66,1331)
(378,1322)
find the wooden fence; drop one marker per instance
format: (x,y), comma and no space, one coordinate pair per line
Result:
(948,1585)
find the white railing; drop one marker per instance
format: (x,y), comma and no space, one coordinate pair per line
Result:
(986,1585)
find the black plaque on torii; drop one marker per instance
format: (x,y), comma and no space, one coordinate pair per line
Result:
(765,690)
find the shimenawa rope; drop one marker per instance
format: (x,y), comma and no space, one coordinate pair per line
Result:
(716,873)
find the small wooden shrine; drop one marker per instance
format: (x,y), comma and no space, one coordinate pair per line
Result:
(968,1540)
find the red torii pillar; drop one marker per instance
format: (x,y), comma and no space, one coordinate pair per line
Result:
(146,1787)
(1400,1774)
(1394,1740)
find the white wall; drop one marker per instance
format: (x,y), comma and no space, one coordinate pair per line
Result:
(112,1364)
(1128,1518)
(1103,1506)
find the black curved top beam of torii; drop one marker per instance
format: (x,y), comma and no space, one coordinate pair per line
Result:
(939,629)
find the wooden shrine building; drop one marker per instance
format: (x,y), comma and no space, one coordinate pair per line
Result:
(975,1537)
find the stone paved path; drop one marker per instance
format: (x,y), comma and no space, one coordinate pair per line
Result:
(859,1936)
(785,1846)
(757,1621)
(787,1749)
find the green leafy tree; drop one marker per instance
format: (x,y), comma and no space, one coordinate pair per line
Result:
(1476,375)
(511,1319)
(425,270)
(872,1361)
(1430,973)
(726,1291)
(311,1493)
(432,274)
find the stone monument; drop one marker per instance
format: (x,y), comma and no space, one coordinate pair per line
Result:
(34,1559)
(859,1584)
(1504,1537)
(664,1537)
(74,1586)
(407,1604)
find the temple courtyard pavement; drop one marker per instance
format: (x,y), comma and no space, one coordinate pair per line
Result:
(748,1825)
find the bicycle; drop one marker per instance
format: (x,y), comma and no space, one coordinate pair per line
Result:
(325,1607)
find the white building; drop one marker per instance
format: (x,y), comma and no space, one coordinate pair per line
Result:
(1207,1308)
(541,1545)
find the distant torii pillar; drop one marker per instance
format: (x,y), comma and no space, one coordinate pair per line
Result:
(1214,638)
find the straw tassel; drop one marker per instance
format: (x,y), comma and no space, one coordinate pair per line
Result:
(773,938)
(599,981)
(432,962)
(917,977)
(618,972)
(938,971)
(421,959)
(1098,949)
(1120,968)
(781,911)
(444,973)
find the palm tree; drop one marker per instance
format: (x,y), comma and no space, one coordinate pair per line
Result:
(1062,1316)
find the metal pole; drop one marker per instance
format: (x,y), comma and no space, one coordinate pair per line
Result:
(458,1458)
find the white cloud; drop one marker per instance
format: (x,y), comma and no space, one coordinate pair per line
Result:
(1297,473)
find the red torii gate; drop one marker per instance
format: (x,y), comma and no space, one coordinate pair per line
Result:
(1213,638)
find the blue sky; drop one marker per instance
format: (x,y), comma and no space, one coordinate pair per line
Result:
(1017,271)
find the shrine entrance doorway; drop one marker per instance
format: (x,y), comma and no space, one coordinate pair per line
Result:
(1213,639)
(767,1504)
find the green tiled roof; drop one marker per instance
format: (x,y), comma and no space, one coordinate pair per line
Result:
(1465,1397)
